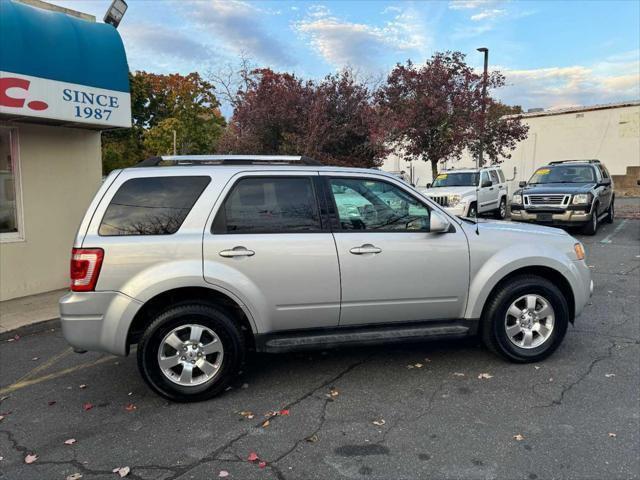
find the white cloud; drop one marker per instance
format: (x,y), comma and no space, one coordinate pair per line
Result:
(608,81)
(488,14)
(342,43)
(240,27)
(467,4)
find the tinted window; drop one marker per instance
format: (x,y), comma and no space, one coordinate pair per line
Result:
(564,174)
(494,177)
(269,205)
(365,204)
(151,206)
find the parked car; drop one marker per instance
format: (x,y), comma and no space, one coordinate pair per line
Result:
(470,191)
(201,259)
(567,193)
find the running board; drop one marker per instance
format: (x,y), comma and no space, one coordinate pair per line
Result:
(364,335)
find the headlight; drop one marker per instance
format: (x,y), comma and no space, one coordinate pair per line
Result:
(454,200)
(581,199)
(517,199)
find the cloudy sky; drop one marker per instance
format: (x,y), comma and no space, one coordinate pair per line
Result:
(553,53)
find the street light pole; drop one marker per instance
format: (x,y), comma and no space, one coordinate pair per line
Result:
(480,159)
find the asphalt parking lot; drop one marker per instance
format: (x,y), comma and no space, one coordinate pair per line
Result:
(400,412)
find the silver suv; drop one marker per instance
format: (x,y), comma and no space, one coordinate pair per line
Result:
(198,260)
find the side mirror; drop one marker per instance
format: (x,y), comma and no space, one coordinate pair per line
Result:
(522,184)
(486,183)
(605,182)
(438,223)
(428,185)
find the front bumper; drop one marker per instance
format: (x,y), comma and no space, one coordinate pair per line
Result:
(568,217)
(460,210)
(581,283)
(97,321)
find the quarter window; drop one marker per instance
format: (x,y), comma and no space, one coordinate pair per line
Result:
(269,205)
(374,205)
(501,175)
(151,206)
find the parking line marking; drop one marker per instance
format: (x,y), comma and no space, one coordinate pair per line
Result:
(608,238)
(32,381)
(46,364)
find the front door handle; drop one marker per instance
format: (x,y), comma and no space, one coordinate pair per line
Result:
(237,252)
(366,248)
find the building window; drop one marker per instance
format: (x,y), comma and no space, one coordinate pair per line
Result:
(11,229)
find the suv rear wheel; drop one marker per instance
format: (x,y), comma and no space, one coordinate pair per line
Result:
(190,352)
(526,319)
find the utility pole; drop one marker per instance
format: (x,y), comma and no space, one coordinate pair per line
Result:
(174,142)
(480,159)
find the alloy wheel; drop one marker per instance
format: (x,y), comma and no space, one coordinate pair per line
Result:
(190,355)
(529,321)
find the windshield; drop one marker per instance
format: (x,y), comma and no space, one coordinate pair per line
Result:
(460,179)
(564,174)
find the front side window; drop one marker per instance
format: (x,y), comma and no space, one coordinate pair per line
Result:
(484,178)
(269,205)
(10,214)
(494,177)
(375,205)
(151,206)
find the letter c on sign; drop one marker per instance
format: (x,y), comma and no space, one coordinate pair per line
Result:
(11,82)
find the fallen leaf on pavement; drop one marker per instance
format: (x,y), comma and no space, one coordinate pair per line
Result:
(71,441)
(458,374)
(266,423)
(283,412)
(2,399)
(1,417)
(35,358)
(51,402)
(537,367)
(223,474)
(122,471)
(379,422)
(87,406)
(418,365)
(262,464)
(612,435)
(312,439)
(247,414)
(32,457)
(484,376)
(74,476)
(518,437)
(83,386)
(253,456)
(409,366)
(130,407)
(609,375)
(333,392)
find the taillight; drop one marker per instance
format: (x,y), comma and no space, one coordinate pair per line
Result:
(85,268)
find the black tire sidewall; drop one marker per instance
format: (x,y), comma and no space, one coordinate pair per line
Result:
(503,301)
(503,201)
(472,207)
(215,319)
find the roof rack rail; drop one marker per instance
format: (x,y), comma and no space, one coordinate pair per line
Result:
(180,160)
(557,162)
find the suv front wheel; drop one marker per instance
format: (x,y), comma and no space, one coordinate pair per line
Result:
(526,319)
(190,352)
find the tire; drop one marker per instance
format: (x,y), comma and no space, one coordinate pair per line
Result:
(498,322)
(473,210)
(501,212)
(611,212)
(220,334)
(592,226)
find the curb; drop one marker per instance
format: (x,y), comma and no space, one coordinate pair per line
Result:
(31,329)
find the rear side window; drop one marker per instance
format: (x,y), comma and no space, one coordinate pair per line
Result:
(501,175)
(494,177)
(151,206)
(269,205)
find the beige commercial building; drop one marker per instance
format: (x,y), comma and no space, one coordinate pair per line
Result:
(609,133)
(63,79)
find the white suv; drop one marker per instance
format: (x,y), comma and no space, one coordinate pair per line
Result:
(197,260)
(470,191)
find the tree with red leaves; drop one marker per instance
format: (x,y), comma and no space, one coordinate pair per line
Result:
(332,121)
(433,112)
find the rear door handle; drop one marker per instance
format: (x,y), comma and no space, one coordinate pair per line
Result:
(366,248)
(237,252)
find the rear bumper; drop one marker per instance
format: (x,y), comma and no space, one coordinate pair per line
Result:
(97,321)
(568,217)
